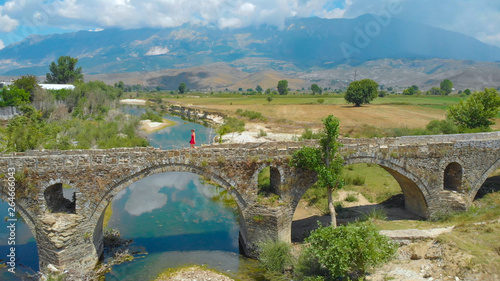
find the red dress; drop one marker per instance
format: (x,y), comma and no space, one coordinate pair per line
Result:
(192,139)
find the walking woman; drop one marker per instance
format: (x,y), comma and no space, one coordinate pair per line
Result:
(192,141)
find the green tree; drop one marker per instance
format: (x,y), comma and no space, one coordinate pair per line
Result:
(446,86)
(182,87)
(64,71)
(27,131)
(413,90)
(434,91)
(351,248)
(325,161)
(316,89)
(120,85)
(467,92)
(28,83)
(258,89)
(477,111)
(13,96)
(269,99)
(283,87)
(361,92)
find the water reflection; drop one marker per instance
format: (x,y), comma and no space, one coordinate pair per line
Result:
(26,249)
(175,215)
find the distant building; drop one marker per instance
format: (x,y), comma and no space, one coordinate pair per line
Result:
(44,86)
(5,84)
(57,86)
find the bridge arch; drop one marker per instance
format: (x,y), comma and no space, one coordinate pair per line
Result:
(414,190)
(477,185)
(453,175)
(276,177)
(97,217)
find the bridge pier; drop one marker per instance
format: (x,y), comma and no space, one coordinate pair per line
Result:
(264,223)
(64,242)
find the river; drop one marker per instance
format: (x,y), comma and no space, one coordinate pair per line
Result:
(173,218)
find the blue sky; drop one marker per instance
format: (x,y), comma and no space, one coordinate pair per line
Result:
(22,18)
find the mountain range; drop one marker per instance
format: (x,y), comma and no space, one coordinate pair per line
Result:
(331,52)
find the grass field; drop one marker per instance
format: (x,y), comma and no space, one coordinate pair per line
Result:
(293,113)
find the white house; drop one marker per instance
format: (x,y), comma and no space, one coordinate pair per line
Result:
(57,86)
(5,84)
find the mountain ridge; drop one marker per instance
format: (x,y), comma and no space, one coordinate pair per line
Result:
(304,44)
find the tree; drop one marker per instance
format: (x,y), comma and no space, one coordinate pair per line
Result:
(283,87)
(120,85)
(258,89)
(325,161)
(182,87)
(268,91)
(467,92)
(477,111)
(64,71)
(434,91)
(28,83)
(361,92)
(446,86)
(413,90)
(269,99)
(316,89)
(13,96)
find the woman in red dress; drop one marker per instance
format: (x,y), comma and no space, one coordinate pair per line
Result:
(192,141)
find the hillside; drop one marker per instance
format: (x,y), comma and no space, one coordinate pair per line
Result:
(305,44)
(396,73)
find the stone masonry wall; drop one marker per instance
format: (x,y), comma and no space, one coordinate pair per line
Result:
(417,163)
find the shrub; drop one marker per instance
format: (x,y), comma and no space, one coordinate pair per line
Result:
(262,133)
(351,198)
(358,180)
(275,255)
(151,115)
(308,134)
(353,248)
(375,214)
(252,115)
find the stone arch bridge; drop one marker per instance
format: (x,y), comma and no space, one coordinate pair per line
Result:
(435,173)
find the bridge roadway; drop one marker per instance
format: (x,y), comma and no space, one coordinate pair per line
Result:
(436,174)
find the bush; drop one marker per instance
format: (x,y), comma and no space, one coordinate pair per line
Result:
(252,115)
(308,134)
(275,256)
(353,248)
(375,214)
(151,115)
(351,198)
(358,180)
(442,127)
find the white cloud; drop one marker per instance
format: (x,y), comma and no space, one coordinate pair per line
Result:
(2,45)
(7,24)
(479,18)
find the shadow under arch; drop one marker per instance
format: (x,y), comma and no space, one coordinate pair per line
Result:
(97,216)
(477,185)
(414,191)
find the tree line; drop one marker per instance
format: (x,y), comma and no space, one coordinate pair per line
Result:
(82,118)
